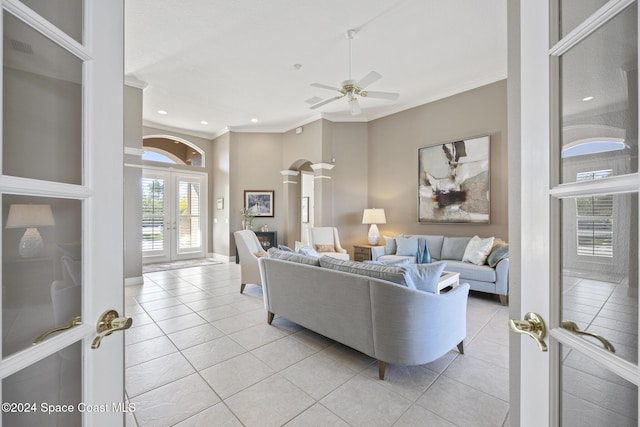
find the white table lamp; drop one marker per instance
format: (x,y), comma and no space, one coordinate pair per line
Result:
(373,217)
(30,217)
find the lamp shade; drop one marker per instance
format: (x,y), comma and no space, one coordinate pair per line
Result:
(25,216)
(374,216)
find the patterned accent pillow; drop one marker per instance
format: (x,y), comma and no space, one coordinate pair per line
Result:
(478,250)
(325,248)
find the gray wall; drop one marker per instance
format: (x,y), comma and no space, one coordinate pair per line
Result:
(393,158)
(132,183)
(218,167)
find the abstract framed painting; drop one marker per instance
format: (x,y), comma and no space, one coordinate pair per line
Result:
(260,202)
(454,182)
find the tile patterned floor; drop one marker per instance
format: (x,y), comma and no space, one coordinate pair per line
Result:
(202,354)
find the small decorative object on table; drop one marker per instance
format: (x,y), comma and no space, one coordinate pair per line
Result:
(247,215)
(264,228)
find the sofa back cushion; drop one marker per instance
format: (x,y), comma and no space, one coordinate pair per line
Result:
(407,246)
(454,247)
(293,256)
(382,272)
(435,246)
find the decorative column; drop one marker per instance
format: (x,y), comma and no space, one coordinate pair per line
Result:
(291,201)
(323,194)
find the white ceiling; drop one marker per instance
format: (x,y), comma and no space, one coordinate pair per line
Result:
(228,61)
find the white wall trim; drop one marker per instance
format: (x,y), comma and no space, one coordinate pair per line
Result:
(131,281)
(289,182)
(225,130)
(289,172)
(321,177)
(160,126)
(133,151)
(134,82)
(319,166)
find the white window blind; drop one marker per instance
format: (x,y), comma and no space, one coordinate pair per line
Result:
(594,218)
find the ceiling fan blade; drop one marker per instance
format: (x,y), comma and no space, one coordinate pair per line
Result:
(321,86)
(325,102)
(382,95)
(370,78)
(355,106)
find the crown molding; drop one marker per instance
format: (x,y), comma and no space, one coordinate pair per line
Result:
(189,132)
(134,82)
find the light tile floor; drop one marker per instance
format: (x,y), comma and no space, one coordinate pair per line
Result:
(201,354)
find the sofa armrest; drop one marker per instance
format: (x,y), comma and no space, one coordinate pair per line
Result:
(376,252)
(502,277)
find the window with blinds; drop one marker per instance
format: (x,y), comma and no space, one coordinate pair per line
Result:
(153,212)
(594,217)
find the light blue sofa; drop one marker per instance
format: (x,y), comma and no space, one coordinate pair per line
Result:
(483,278)
(387,321)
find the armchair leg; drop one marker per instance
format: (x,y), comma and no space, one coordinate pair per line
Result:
(382,369)
(461,347)
(242,285)
(270,317)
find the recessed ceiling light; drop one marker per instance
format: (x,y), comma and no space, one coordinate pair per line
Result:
(204,122)
(254,120)
(162,112)
(587,98)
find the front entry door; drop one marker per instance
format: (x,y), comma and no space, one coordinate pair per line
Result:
(174,209)
(578,212)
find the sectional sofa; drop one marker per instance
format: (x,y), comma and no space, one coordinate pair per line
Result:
(489,277)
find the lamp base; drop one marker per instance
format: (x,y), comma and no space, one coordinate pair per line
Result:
(374,235)
(31,243)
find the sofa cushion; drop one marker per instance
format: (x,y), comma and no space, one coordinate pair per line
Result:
(478,250)
(407,245)
(479,273)
(453,248)
(425,276)
(396,259)
(498,253)
(435,246)
(383,272)
(293,256)
(390,246)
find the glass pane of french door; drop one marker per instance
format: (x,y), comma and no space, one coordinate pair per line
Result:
(154,214)
(189,215)
(64,14)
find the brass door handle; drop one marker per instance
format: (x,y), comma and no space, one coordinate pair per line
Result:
(74,322)
(573,327)
(532,325)
(109,323)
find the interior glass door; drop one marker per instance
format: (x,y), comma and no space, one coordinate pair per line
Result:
(190,219)
(595,206)
(156,216)
(61,220)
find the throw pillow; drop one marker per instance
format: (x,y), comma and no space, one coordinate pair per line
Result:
(285,248)
(407,246)
(389,245)
(477,250)
(294,257)
(425,276)
(382,272)
(260,254)
(498,253)
(307,250)
(325,248)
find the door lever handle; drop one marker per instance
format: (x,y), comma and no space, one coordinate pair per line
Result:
(74,322)
(533,326)
(109,323)
(573,327)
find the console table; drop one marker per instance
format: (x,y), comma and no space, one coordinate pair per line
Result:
(268,239)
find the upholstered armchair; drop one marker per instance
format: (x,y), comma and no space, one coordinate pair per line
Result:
(325,241)
(249,250)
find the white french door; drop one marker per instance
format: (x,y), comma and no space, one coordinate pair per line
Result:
(174,209)
(578,212)
(62,206)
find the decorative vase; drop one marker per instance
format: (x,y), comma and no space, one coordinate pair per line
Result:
(246,224)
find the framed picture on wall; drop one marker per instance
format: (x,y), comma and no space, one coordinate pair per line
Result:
(453,182)
(305,209)
(260,202)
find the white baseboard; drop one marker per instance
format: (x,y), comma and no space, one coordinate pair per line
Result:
(222,258)
(130,281)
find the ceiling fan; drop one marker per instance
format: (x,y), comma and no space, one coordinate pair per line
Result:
(353,89)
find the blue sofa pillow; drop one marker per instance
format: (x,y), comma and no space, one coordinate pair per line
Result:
(424,276)
(407,246)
